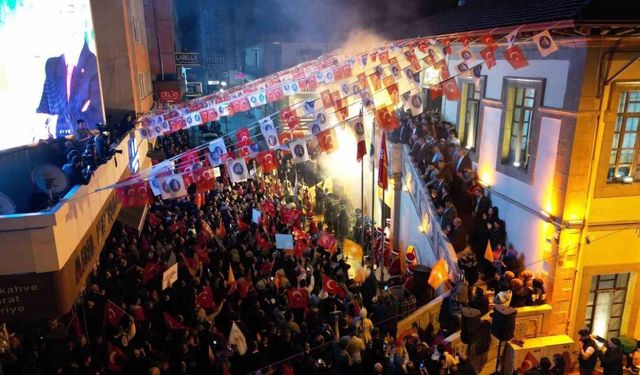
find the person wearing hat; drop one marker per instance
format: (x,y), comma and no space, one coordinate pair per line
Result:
(612,358)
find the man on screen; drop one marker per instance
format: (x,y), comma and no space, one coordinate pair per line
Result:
(71,89)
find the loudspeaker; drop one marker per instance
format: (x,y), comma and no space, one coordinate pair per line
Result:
(421,288)
(470,327)
(503,322)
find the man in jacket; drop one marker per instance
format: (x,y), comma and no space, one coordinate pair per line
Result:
(612,359)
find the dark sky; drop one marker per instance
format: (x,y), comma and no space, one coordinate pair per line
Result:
(313,20)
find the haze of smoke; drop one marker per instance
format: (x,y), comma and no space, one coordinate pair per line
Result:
(358,41)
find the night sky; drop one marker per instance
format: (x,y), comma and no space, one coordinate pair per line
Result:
(313,20)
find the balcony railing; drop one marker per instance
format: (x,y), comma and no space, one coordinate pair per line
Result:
(426,211)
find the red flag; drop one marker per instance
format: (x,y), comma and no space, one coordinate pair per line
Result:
(464,40)
(205,299)
(221,232)
(205,179)
(268,161)
(327,241)
(332,287)
(447,46)
(386,119)
(337,73)
(177,123)
(135,195)
(489,57)
(288,116)
(362,79)
(435,92)
(311,84)
(208,115)
(116,358)
(383,168)
(423,46)
(346,71)
(529,362)
(298,298)
(243,137)
(450,89)
(274,94)
(411,57)
(384,57)
(172,323)
(515,57)
(112,313)
(488,41)
(75,326)
(151,270)
(289,215)
(327,141)
(327,100)
(299,247)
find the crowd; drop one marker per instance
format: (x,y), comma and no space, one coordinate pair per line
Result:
(239,305)
(468,218)
(81,152)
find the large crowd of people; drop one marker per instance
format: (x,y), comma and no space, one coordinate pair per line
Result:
(240,305)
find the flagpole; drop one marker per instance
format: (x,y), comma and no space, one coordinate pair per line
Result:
(362,226)
(373,190)
(382,244)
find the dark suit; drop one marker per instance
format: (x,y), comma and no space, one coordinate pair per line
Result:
(481,205)
(458,238)
(462,164)
(85,86)
(405,134)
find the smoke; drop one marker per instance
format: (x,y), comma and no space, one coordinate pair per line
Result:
(361,40)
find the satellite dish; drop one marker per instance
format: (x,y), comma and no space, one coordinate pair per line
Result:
(49,179)
(6,205)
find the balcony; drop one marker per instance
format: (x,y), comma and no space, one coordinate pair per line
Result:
(46,256)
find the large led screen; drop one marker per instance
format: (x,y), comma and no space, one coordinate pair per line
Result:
(48,70)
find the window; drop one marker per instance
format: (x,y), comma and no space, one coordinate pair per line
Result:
(144,85)
(469,111)
(523,97)
(624,160)
(605,306)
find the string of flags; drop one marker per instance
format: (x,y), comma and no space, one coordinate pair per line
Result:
(378,81)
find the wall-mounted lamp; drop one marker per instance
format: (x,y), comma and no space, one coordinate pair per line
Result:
(627,180)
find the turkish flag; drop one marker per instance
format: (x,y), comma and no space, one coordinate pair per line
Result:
(394,94)
(243,137)
(435,92)
(327,100)
(383,164)
(386,119)
(488,41)
(112,313)
(327,241)
(151,270)
(116,358)
(172,323)
(411,57)
(450,89)
(208,115)
(205,299)
(332,287)
(135,195)
(529,362)
(489,57)
(288,116)
(423,46)
(362,79)
(337,73)
(346,71)
(384,57)
(444,69)
(464,40)
(515,57)
(268,161)
(311,84)
(205,179)
(284,138)
(289,216)
(327,141)
(298,298)
(447,46)
(275,94)
(177,123)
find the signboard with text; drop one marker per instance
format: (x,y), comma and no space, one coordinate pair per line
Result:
(187,58)
(169,95)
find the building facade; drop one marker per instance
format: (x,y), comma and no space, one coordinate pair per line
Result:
(556,145)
